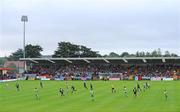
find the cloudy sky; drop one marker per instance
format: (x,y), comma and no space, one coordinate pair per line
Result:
(103,25)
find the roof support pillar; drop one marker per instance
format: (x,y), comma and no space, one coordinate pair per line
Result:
(106,60)
(86,60)
(50,60)
(68,60)
(144,60)
(33,60)
(125,60)
(163,60)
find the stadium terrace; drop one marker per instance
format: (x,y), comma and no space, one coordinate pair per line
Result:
(125,68)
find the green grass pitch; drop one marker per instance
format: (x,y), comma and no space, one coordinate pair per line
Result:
(152,100)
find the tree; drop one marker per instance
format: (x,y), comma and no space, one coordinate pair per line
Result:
(159,52)
(87,52)
(32,51)
(148,54)
(137,54)
(125,54)
(113,54)
(2,61)
(174,55)
(67,49)
(154,53)
(167,54)
(142,54)
(105,55)
(131,55)
(16,55)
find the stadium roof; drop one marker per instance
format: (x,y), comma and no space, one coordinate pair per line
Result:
(120,60)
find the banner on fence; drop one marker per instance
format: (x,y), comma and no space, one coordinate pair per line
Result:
(114,79)
(155,78)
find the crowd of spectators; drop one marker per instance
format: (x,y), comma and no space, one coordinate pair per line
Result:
(8,76)
(108,69)
(96,70)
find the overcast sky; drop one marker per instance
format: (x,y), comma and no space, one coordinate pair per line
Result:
(103,25)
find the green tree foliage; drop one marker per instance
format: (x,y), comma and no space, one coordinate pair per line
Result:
(67,49)
(148,54)
(125,54)
(159,52)
(113,54)
(142,54)
(16,55)
(167,54)
(174,55)
(2,60)
(154,53)
(87,52)
(32,51)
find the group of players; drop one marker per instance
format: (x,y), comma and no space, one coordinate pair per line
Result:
(73,89)
(136,90)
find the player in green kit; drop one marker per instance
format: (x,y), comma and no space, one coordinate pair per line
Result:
(67,87)
(36,93)
(144,87)
(166,94)
(92,94)
(125,91)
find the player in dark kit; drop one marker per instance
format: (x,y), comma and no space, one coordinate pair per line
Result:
(73,88)
(147,85)
(135,91)
(61,91)
(91,86)
(144,87)
(85,86)
(17,86)
(41,84)
(138,87)
(113,89)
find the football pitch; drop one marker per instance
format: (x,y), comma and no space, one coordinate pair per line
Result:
(152,100)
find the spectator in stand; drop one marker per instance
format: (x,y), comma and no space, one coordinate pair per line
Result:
(114,71)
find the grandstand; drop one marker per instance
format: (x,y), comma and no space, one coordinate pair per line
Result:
(113,68)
